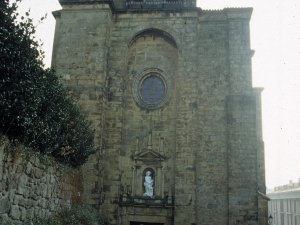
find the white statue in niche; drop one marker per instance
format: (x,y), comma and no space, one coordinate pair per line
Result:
(148,185)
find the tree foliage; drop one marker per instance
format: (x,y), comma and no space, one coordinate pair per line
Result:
(34,108)
(75,215)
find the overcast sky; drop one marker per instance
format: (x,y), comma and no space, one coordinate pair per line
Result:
(275,37)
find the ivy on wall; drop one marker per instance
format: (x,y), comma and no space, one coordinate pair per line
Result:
(34,108)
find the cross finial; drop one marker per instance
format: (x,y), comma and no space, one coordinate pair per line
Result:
(149,140)
(137,146)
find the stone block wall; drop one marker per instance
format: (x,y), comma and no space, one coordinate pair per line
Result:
(262,210)
(213,82)
(80,54)
(133,49)
(148,51)
(80,58)
(30,188)
(242,159)
(211,126)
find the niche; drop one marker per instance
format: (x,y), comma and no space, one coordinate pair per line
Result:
(141,167)
(148,182)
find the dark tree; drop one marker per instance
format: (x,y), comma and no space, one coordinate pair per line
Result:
(34,108)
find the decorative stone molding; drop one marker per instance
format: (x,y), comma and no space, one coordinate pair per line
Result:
(152,161)
(152,88)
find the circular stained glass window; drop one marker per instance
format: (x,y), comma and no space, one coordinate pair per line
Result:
(151,88)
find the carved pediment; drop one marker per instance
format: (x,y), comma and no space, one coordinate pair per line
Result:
(149,155)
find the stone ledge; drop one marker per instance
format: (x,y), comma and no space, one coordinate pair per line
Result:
(87,87)
(88,2)
(149,202)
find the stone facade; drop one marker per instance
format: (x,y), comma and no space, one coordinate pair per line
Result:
(199,133)
(30,189)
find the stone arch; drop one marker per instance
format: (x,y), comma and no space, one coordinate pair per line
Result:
(148,51)
(156,33)
(174,35)
(169,32)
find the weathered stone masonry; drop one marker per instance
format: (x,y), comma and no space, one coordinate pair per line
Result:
(30,188)
(203,144)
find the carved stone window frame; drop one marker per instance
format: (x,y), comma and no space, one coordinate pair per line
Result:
(138,80)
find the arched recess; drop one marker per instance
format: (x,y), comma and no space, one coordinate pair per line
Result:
(154,26)
(155,50)
(123,46)
(155,33)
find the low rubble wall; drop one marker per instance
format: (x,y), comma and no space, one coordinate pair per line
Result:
(30,188)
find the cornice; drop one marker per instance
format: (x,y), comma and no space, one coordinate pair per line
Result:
(88,2)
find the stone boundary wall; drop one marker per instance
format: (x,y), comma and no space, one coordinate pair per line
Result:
(31,189)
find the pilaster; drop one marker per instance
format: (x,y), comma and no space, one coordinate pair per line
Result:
(242,159)
(81,46)
(239,49)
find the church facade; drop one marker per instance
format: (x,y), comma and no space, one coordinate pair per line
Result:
(168,87)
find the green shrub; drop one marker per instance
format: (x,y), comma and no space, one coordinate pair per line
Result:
(77,215)
(34,108)
(8,221)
